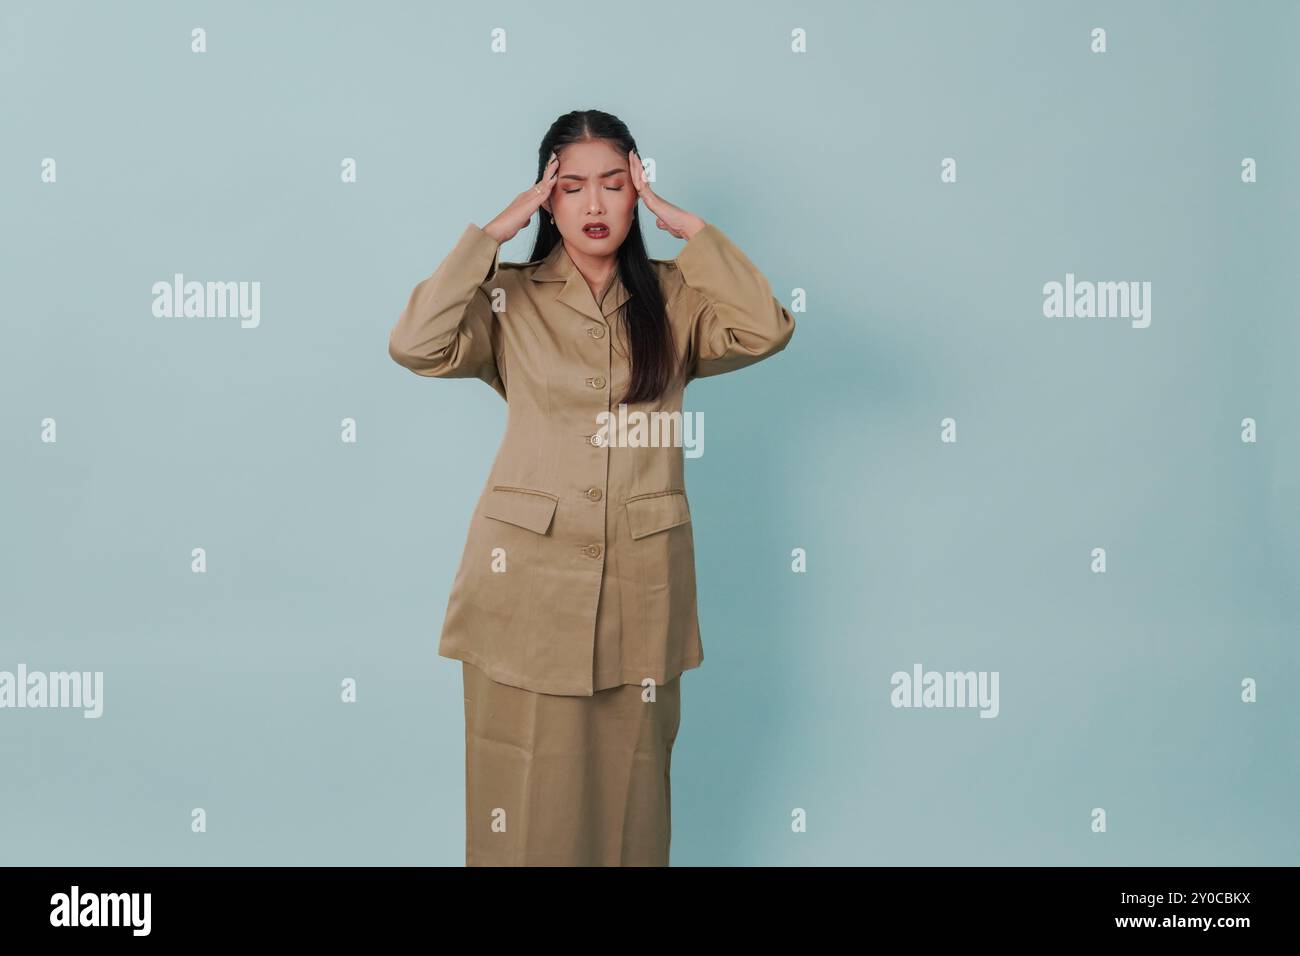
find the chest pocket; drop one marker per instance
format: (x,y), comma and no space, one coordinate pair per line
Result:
(656,511)
(525,507)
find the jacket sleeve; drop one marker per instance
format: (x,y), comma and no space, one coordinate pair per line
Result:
(447,328)
(738,321)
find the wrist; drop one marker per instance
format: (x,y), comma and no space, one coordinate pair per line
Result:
(693,226)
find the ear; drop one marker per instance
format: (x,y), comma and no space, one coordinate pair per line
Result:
(546,204)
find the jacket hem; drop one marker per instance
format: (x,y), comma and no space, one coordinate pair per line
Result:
(630,676)
(504,676)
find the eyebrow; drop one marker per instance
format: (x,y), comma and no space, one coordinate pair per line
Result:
(608,172)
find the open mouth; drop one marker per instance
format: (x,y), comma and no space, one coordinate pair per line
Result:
(596,230)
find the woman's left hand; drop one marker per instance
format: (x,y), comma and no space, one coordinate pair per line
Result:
(679,222)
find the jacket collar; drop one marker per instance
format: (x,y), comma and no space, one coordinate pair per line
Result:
(558,267)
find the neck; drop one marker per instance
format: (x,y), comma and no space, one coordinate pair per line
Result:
(597,270)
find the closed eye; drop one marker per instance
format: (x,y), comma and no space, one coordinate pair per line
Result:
(612,189)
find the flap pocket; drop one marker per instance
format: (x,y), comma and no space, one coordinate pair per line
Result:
(657,511)
(524,507)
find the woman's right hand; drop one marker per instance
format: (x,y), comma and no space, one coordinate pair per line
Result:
(520,212)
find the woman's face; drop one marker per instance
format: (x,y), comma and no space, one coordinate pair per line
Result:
(594,187)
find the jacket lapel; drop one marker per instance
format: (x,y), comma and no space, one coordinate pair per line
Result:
(575,293)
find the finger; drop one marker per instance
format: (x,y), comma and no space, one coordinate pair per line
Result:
(637,169)
(542,191)
(645,188)
(550,184)
(551,171)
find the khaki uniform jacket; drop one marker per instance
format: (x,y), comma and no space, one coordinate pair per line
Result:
(580,551)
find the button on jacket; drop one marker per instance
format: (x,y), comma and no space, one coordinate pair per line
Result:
(580,553)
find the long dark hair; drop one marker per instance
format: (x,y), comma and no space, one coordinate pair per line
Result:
(643,314)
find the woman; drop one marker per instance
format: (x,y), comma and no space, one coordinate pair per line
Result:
(573,610)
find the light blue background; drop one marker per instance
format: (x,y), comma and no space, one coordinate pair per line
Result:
(329,560)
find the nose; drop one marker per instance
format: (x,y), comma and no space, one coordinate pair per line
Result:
(593,204)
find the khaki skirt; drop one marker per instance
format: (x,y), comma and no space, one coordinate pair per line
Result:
(553,780)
